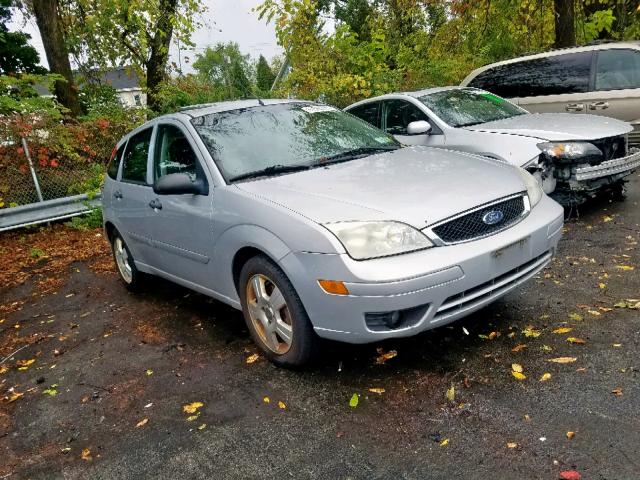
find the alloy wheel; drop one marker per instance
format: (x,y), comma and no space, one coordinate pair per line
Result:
(269,313)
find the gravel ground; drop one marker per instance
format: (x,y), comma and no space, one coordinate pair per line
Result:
(123,366)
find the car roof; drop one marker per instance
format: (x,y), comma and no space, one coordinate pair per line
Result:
(219,107)
(634,44)
(414,94)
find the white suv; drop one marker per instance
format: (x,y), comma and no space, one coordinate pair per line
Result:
(601,79)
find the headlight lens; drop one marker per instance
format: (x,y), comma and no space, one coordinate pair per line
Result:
(364,240)
(534,190)
(570,151)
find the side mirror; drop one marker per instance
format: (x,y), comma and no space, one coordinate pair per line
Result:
(180,184)
(419,127)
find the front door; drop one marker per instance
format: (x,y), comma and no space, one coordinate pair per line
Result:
(398,114)
(182,228)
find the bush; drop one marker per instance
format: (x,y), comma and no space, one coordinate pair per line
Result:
(88,221)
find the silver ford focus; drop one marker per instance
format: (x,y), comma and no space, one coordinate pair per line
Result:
(316,224)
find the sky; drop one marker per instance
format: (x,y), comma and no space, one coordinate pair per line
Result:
(225,21)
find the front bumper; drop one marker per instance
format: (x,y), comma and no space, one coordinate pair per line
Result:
(434,286)
(624,165)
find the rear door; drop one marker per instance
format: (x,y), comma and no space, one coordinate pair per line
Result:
(554,84)
(397,114)
(131,196)
(616,89)
(182,224)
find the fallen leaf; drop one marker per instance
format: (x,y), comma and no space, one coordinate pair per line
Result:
(562,330)
(86,454)
(570,435)
(192,407)
(353,403)
(25,363)
(616,345)
(65,450)
(512,445)
(383,357)
(51,391)
(530,331)
(625,268)
(444,442)
(518,375)
(545,377)
(595,313)
(516,367)
(379,391)
(451,394)
(493,335)
(606,219)
(575,317)
(149,372)
(202,427)
(602,286)
(617,392)
(570,475)
(142,423)
(3,369)
(576,340)
(563,360)
(193,417)
(518,347)
(14,396)
(266,400)
(282,405)
(252,358)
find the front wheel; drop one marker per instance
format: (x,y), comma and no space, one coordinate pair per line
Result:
(275,315)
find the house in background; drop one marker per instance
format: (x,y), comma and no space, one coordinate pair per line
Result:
(124,80)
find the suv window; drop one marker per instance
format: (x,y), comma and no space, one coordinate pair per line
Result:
(618,69)
(369,112)
(173,153)
(555,75)
(114,163)
(399,114)
(134,168)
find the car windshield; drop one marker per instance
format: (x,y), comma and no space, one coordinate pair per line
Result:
(465,107)
(283,138)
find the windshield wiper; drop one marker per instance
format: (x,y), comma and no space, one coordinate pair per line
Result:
(271,170)
(355,153)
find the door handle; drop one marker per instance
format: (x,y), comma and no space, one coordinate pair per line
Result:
(574,107)
(155,204)
(117,194)
(598,105)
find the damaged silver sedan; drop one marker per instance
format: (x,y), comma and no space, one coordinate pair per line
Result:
(573,157)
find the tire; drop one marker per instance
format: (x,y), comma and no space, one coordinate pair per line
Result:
(272,317)
(126,267)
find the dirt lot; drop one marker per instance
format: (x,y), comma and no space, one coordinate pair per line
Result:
(101,382)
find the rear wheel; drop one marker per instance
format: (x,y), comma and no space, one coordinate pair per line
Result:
(275,315)
(129,274)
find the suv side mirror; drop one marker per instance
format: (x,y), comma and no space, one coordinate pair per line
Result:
(180,184)
(419,127)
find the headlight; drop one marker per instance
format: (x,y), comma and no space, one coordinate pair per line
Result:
(364,240)
(534,190)
(571,151)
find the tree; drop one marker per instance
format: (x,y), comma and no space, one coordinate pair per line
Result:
(564,23)
(110,33)
(16,55)
(50,24)
(225,67)
(264,75)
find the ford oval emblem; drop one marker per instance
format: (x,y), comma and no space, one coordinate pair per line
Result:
(493,217)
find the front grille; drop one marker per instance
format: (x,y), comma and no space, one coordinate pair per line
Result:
(472,225)
(612,147)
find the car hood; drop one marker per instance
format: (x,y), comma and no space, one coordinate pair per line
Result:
(556,126)
(414,185)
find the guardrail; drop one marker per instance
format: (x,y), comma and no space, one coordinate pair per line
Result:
(47,211)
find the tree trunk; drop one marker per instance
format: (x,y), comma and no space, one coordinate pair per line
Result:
(159,51)
(564,11)
(48,20)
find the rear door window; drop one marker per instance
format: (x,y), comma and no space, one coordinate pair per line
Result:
(134,168)
(114,163)
(369,112)
(398,114)
(618,69)
(555,75)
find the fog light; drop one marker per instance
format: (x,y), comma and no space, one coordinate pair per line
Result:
(383,319)
(334,287)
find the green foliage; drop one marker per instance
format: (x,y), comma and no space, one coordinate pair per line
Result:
(36,253)
(88,221)
(91,184)
(16,55)
(18,96)
(264,75)
(226,69)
